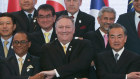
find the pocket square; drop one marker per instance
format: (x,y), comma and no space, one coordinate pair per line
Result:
(82,27)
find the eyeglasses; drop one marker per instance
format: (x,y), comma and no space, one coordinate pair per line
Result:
(23,42)
(47,16)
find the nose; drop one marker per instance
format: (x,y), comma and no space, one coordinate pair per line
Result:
(4,25)
(71,2)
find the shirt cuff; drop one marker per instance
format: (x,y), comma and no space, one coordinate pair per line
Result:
(57,74)
(126,76)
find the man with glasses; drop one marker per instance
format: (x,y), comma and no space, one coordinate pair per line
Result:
(22,64)
(7,27)
(46,19)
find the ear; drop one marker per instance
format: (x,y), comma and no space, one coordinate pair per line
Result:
(99,19)
(29,44)
(35,1)
(54,18)
(14,27)
(80,2)
(125,38)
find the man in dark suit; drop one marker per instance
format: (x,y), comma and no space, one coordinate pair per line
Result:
(46,19)
(99,38)
(7,27)
(105,18)
(22,64)
(83,22)
(66,58)
(26,18)
(118,63)
(131,22)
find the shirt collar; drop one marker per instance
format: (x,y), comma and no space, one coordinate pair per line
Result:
(102,33)
(75,15)
(23,57)
(65,44)
(29,13)
(119,52)
(46,32)
(9,40)
(137,14)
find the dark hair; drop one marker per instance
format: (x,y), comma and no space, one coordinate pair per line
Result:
(8,15)
(116,25)
(22,32)
(46,7)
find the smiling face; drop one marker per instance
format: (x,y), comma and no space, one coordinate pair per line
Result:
(106,20)
(117,38)
(21,44)
(45,19)
(65,30)
(27,5)
(136,4)
(6,27)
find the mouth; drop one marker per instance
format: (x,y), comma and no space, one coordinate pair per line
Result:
(4,30)
(26,5)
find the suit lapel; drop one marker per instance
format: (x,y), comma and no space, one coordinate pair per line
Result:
(123,58)
(41,37)
(100,38)
(59,48)
(14,65)
(1,50)
(53,35)
(27,62)
(132,29)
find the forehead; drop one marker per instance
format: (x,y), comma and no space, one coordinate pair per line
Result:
(5,18)
(20,36)
(44,12)
(109,14)
(116,31)
(64,21)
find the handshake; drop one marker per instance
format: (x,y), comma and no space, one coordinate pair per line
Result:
(44,75)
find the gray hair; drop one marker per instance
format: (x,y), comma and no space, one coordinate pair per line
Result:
(116,25)
(64,16)
(106,9)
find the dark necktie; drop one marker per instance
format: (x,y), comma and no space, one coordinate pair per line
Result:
(30,17)
(72,17)
(116,56)
(139,28)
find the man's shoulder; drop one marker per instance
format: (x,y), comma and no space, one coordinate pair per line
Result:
(131,53)
(127,14)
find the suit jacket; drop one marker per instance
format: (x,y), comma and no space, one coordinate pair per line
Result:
(84,23)
(10,68)
(107,68)
(75,62)
(97,40)
(23,22)
(37,40)
(128,21)
(10,51)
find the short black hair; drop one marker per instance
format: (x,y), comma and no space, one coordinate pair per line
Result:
(46,7)
(117,25)
(23,32)
(8,15)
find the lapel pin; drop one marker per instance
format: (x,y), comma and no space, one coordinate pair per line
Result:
(80,21)
(28,60)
